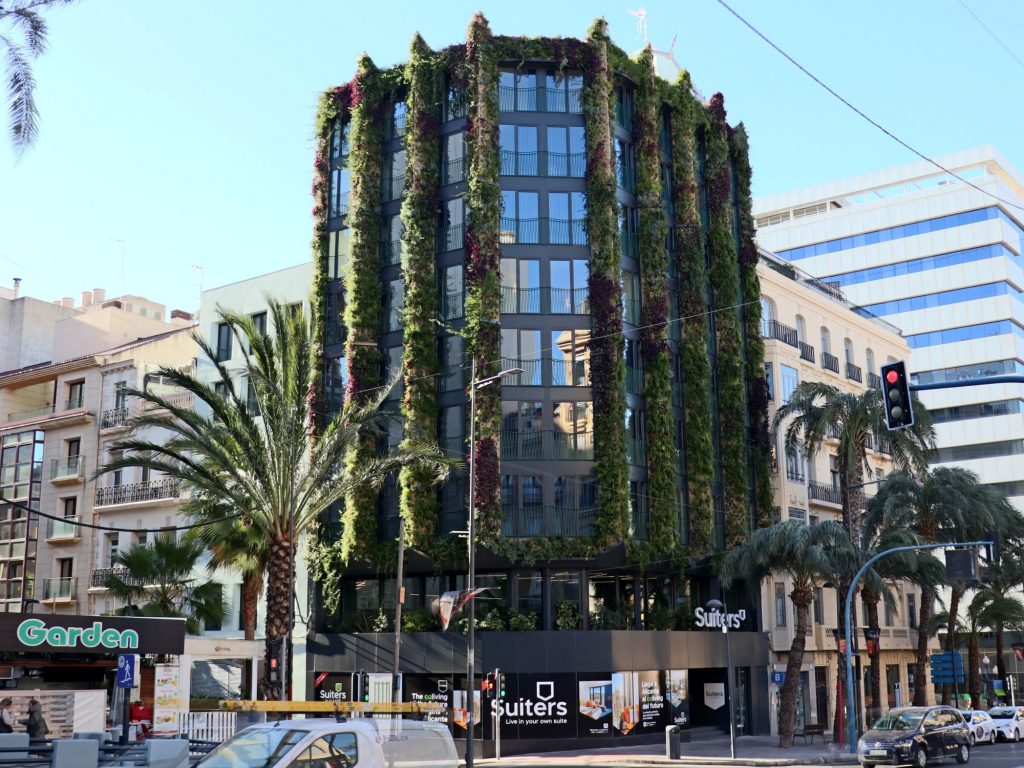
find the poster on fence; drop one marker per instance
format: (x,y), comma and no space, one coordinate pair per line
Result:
(166,700)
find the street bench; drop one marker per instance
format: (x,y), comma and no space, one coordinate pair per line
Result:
(816,729)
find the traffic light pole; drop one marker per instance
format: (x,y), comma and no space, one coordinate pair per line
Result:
(495,697)
(851,721)
(967,383)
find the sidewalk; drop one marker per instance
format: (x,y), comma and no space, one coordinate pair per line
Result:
(750,750)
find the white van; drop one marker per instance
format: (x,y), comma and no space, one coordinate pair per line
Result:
(328,743)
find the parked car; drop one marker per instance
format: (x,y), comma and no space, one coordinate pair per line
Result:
(1009,722)
(328,743)
(915,735)
(982,727)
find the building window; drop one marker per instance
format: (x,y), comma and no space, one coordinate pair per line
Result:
(259,321)
(780,604)
(912,610)
(819,606)
(520,286)
(569,286)
(529,585)
(567,218)
(453,225)
(769,380)
(790,379)
(252,403)
(567,154)
(452,293)
(223,342)
(631,298)
(399,116)
(455,158)
(394,298)
(517,91)
(519,154)
(520,217)
(562,92)
(570,358)
(795,464)
(522,349)
(75,393)
(70,507)
(111,550)
(625,165)
(392,360)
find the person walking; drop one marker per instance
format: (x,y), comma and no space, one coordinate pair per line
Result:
(34,723)
(6,717)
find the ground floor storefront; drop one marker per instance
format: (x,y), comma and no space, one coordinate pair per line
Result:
(562,689)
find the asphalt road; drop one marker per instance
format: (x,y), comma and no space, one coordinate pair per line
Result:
(1001,755)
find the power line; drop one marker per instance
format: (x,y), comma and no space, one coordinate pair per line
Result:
(993,34)
(80,524)
(873,122)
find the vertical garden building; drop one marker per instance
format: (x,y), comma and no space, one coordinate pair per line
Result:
(550,205)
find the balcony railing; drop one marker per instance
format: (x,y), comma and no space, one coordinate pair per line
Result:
(794,475)
(823,492)
(60,589)
(629,244)
(454,446)
(544,301)
(546,372)
(512,99)
(73,403)
(853,372)
(113,417)
(635,453)
(72,466)
(451,238)
(99,577)
(175,400)
(830,362)
(390,252)
(631,310)
(455,170)
(834,431)
(67,528)
(532,375)
(134,493)
(874,381)
(524,522)
(452,306)
(547,445)
(879,444)
(542,231)
(392,188)
(339,205)
(773,329)
(453,379)
(638,523)
(31,413)
(634,380)
(806,352)
(551,164)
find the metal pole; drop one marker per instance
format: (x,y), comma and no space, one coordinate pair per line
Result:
(396,691)
(497,715)
(286,661)
(851,721)
(729,686)
(471,577)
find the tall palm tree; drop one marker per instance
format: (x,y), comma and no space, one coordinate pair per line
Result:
(158,579)
(807,554)
(1000,611)
(947,505)
(968,626)
(22,39)
(248,449)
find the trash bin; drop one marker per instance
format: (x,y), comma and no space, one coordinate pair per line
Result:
(672,740)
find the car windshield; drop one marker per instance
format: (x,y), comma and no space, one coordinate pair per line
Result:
(1003,713)
(258,748)
(898,721)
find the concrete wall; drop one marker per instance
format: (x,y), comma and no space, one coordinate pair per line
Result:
(28,330)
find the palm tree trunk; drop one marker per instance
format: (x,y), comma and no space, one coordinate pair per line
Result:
(252,587)
(278,602)
(955,593)
(920,678)
(973,677)
(998,670)
(839,724)
(801,597)
(871,598)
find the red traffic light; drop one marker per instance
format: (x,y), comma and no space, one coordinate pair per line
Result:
(892,377)
(273,663)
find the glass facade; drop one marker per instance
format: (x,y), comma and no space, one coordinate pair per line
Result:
(913,266)
(942,298)
(965,333)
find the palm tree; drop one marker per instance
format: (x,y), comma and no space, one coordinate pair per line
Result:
(252,449)
(967,626)
(807,554)
(1000,611)
(158,579)
(947,505)
(22,39)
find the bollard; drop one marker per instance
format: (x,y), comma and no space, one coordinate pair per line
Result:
(12,740)
(167,753)
(673,751)
(75,753)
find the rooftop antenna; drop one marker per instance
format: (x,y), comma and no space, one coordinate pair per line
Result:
(641,22)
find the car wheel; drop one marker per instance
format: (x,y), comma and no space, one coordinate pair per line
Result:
(1016,735)
(963,754)
(992,738)
(970,737)
(920,758)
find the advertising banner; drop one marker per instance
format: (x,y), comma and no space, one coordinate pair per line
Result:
(677,695)
(332,686)
(429,689)
(653,711)
(49,633)
(166,700)
(538,706)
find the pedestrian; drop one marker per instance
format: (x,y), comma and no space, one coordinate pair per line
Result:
(6,718)
(34,723)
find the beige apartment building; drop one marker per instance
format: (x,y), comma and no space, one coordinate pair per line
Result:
(812,333)
(57,423)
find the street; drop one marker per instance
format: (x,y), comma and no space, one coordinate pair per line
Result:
(1001,755)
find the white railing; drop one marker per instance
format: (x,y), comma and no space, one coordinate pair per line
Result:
(207,726)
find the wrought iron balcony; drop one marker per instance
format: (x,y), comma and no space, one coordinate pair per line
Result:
(98,578)
(451,237)
(830,362)
(174,400)
(135,493)
(67,469)
(874,381)
(853,372)
(806,352)
(547,445)
(455,170)
(795,475)
(773,329)
(114,417)
(552,164)
(525,522)
(542,231)
(825,493)
(539,99)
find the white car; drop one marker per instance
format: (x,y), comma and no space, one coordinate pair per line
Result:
(982,728)
(1009,722)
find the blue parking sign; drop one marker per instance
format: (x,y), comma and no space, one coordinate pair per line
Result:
(125,671)
(778,677)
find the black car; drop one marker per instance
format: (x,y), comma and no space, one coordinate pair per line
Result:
(915,736)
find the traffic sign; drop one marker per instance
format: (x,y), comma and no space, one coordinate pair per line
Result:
(778,677)
(947,667)
(125,671)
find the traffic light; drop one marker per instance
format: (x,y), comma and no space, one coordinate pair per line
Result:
(364,685)
(275,660)
(899,412)
(487,685)
(501,685)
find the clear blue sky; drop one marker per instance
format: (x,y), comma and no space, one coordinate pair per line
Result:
(185,128)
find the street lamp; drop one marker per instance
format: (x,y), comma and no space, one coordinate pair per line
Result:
(474,385)
(719,607)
